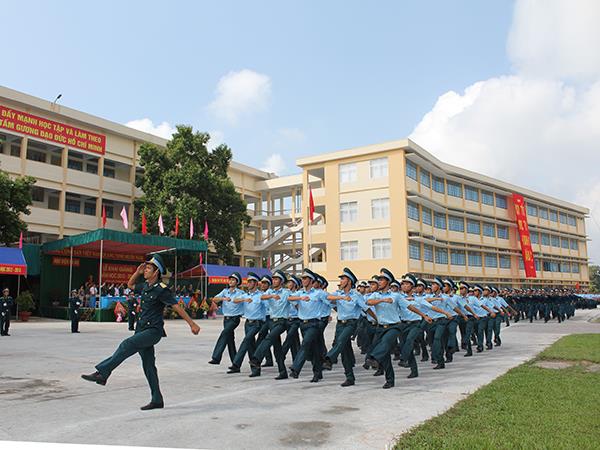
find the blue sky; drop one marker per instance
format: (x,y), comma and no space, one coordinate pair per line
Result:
(510,89)
(341,74)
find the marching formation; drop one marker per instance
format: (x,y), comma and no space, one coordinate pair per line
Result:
(390,320)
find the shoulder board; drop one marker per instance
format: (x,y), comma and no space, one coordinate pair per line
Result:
(163,285)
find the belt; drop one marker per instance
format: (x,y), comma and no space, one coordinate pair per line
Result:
(411,321)
(254,321)
(232,317)
(440,318)
(310,320)
(277,319)
(347,321)
(389,325)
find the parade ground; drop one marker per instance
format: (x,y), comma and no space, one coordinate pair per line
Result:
(44,399)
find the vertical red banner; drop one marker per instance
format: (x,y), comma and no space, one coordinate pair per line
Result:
(526,250)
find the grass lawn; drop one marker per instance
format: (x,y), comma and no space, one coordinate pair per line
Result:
(527,408)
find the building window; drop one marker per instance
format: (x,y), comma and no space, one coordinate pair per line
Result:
(56,159)
(543,213)
(379,168)
(536,263)
(427,253)
(574,245)
(571,221)
(413,211)
(37,194)
(564,243)
(348,250)
(89,209)
(545,238)
(575,268)
(411,170)
(456,223)
(532,210)
(555,240)
(414,250)
(381,248)
(91,168)
(474,259)
(348,212)
(487,198)
(457,257)
(491,260)
(348,173)
(426,215)
(441,256)
(565,267)
(110,211)
(15,150)
(504,261)
(439,220)
(553,216)
(473,227)
(73,205)
(489,229)
(438,185)
(502,232)
(380,208)
(425,178)
(500,201)
(535,237)
(454,189)
(563,218)
(36,155)
(75,164)
(53,201)
(109,172)
(471,193)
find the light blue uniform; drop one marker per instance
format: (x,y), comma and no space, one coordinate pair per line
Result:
(325,305)
(256,309)
(388,313)
(461,302)
(502,302)
(475,304)
(366,298)
(489,302)
(407,314)
(425,306)
(229,308)
(312,308)
(349,309)
(279,309)
(449,304)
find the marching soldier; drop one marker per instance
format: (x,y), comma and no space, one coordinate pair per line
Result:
(74,304)
(6,302)
(232,314)
(292,338)
(149,330)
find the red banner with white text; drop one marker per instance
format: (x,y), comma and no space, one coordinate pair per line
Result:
(526,250)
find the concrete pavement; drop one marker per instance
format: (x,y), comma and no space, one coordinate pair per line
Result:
(42,397)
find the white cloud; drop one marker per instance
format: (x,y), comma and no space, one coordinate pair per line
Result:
(537,128)
(274,164)
(239,94)
(164,130)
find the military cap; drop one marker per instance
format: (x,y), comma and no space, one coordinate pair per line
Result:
(395,283)
(157,261)
(409,278)
(363,283)
(495,289)
(267,279)
(385,273)
(374,279)
(438,281)
(421,282)
(450,283)
(478,287)
(487,288)
(236,276)
(464,284)
(307,273)
(252,277)
(350,275)
(280,274)
(297,281)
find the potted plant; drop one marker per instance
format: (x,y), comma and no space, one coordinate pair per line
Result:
(26,305)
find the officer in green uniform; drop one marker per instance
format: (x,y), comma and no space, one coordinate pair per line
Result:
(132,304)
(74,304)
(149,330)
(6,302)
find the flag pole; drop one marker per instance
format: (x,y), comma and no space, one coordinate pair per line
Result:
(175,271)
(98,307)
(71,271)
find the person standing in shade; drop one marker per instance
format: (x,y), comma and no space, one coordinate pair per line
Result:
(74,304)
(6,302)
(277,298)
(350,303)
(309,302)
(131,310)
(255,313)
(149,330)
(232,314)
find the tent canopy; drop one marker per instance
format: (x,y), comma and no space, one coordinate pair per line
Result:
(12,261)
(121,243)
(219,274)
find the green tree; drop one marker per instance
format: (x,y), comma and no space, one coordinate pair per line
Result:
(15,198)
(186,180)
(594,272)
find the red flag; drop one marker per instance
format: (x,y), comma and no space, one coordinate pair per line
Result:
(21,240)
(191,228)
(200,258)
(205,230)
(176,226)
(103,216)
(161,228)
(144,224)
(311,206)
(269,263)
